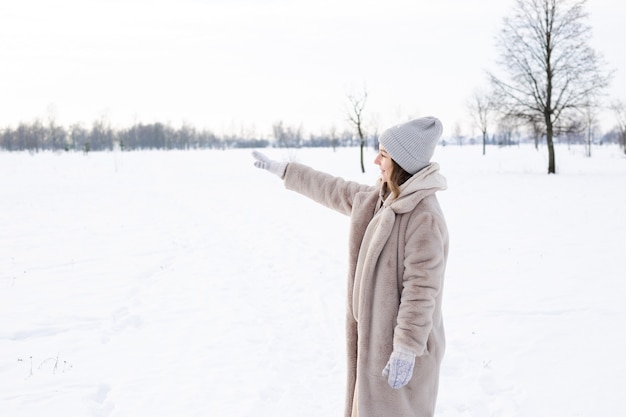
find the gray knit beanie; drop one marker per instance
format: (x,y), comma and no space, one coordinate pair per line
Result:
(412,144)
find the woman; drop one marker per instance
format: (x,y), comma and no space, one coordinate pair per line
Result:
(398,248)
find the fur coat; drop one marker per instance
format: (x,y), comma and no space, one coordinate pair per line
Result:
(397,256)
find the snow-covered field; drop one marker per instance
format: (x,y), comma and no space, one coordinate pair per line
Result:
(192,284)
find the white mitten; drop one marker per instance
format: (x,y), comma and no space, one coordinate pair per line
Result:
(275,167)
(399,368)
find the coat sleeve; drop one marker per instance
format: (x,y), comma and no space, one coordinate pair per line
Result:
(422,282)
(330,191)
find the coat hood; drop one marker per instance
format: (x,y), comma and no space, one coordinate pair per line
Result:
(424,183)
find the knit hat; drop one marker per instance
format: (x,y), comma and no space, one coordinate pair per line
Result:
(412,144)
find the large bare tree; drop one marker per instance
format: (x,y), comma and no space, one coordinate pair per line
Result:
(552,71)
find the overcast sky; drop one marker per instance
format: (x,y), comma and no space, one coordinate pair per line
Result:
(229,65)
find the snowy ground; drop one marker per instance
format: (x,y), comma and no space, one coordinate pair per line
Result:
(192,284)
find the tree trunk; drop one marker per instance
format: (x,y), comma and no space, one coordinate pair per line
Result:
(549,141)
(589,141)
(362,138)
(362,163)
(484,142)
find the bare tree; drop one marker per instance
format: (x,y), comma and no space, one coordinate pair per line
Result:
(332,135)
(481,108)
(53,136)
(287,137)
(538,131)
(79,136)
(355,116)
(280,134)
(619,109)
(590,120)
(506,129)
(458,133)
(553,72)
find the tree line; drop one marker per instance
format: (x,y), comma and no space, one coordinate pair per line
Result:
(38,136)
(100,136)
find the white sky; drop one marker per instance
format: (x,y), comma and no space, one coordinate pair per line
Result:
(242,65)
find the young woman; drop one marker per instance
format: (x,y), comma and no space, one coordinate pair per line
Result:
(398,248)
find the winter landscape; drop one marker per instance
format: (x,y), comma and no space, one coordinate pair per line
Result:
(190,283)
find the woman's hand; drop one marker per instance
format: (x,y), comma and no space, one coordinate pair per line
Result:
(263,162)
(399,368)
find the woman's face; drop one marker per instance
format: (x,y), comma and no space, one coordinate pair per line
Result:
(383,160)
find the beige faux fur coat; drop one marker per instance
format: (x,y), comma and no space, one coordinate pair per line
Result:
(397,256)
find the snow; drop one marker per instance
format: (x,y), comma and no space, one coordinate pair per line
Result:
(193,284)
